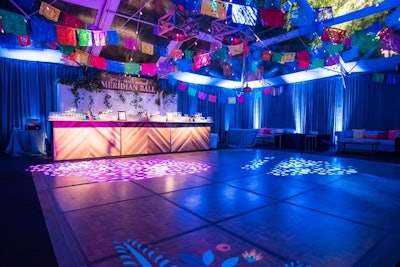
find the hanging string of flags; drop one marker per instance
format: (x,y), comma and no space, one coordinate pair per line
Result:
(70,33)
(270,90)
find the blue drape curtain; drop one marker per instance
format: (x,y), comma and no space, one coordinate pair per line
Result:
(29,90)
(371,105)
(323,105)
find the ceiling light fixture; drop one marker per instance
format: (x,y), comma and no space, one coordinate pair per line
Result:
(247,89)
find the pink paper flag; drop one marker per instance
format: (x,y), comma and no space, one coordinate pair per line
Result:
(99,38)
(212,98)
(149,69)
(202,95)
(182,87)
(130,44)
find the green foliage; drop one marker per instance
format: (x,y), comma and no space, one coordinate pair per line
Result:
(121,97)
(107,101)
(340,7)
(136,101)
(90,84)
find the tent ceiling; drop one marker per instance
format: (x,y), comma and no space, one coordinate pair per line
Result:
(138,19)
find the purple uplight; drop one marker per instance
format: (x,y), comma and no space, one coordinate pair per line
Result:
(113,169)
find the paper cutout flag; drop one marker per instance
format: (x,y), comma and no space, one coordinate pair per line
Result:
(378,77)
(214,8)
(288,57)
(115,66)
(13,23)
(176,53)
(130,43)
(99,38)
(112,38)
(189,54)
(97,62)
(165,68)
(192,91)
(272,17)
(241,99)
(162,51)
(81,56)
(71,21)
(266,55)
(181,86)
(147,48)
(235,49)
(231,100)
(49,11)
(24,40)
(202,96)
(332,60)
(212,98)
(201,61)
(65,35)
(276,57)
(132,68)
(66,49)
(333,35)
(148,69)
(318,63)
(84,37)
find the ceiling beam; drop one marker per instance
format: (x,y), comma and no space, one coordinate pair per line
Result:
(359,14)
(87,3)
(386,5)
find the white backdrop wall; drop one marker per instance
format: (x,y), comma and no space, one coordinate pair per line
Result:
(118,100)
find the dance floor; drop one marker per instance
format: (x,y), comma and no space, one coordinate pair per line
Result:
(233,207)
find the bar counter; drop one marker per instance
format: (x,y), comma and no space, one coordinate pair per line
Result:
(85,139)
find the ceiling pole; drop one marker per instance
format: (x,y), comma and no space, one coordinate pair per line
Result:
(104,20)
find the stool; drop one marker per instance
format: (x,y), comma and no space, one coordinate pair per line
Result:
(278,140)
(214,140)
(310,143)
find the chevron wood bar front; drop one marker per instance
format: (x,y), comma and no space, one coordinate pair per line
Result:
(97,139)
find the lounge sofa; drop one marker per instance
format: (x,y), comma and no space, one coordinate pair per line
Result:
(366,140)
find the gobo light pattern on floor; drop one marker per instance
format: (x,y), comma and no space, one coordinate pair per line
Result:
(301,166)
(136,254)
(257,163)
(108,170)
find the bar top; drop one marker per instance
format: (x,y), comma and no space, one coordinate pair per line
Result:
(104,123)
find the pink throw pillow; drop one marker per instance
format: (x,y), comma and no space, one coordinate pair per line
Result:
(267,131)
(392,134)
(371,136)
(382,135)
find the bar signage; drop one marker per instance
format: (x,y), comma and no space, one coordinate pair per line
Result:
(127,83)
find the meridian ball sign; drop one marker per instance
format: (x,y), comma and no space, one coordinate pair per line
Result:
(126,83)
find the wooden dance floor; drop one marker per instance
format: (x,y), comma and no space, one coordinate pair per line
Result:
(234,207)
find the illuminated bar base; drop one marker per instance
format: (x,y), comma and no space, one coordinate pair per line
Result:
(97,139)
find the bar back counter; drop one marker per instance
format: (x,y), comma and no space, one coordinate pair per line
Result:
(85,139)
